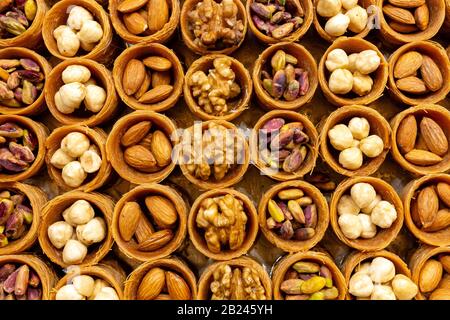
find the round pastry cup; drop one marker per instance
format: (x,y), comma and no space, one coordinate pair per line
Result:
(418,260)
(37,199)
(52,212)
(232,177)
(44,272)
(319,22)
(251,231)
(441,116)
(305,61)
(378,126)
(141,51)
(380,76)
(97,137)
(104,79)
(313,152)
(188,37)
(40,132)
(283,265)
(115,154)
(100,271)
(170,264)
(384,236)
(58,15)
(322,220)
(161,36)
(356,258)
(243,79)
(293,36)
(439,238)
(206,278)
(38,105)
(130,248)
(437,16)
(33,35)
(436,52)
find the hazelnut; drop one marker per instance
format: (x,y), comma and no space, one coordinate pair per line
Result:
(351,158)
(73,174)
(61,106)
(75,144)
(360,285)
(381,270)
(341,81)
(363,194)
(75,73)
(349,4)
(352,62)
(350,225)
(340,137)
(369,230)
(336,59)
(90,161)
(337,25)
(368,61)
(90,32)
(363,268)
(84,284)
(77,16)
(99,284)
(74,252)
(347,205)
(68,292)
(95,98)
(358,19)
(372,146)
(384,214)
(66,40)
(328,8)
(59,233)
(79,213)
(71,95)
(59,159)
(107,293)
(92,232)
(404,288)
(362,84)
(382,292)
(369,208)
(359,127)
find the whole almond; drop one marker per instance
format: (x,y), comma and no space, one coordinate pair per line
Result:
(431,75)
(161,148)
(157,63)
(407,64)
(422,16)
(133,76)
(160,78)
(176,286)
(156,240)
(129,220)
(158,14)
(434,136)
(398,14)
(163,296)
(427,205)
(151,284)
(406,134)
(145,86)
(445,281)
(156,94)
(135,23)
(441,221)
(440,294)
(422,157)
(407,3)
(128,6)
(420,143)
(147,141)
(140,158)
(443,191)
(415,213)
(135,133)
(162,210)
(144,229)
(445,261)
(403,27)
(412,85)
(430,275)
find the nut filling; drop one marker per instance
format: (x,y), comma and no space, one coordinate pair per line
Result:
(16,16)
(79,229)
(407,16)
(434,278)
(16,216)
(85,287)
(283,145)
(216,25)
(162,284)
(148,231)
(353,141)
(278,19)
(378,280)
(18,147)
(21,82)
(218,91)
(292,215)
(224,221)
(307,280)
(236,283)
(77,158)
(283,79)
(362,211)
(19,282)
